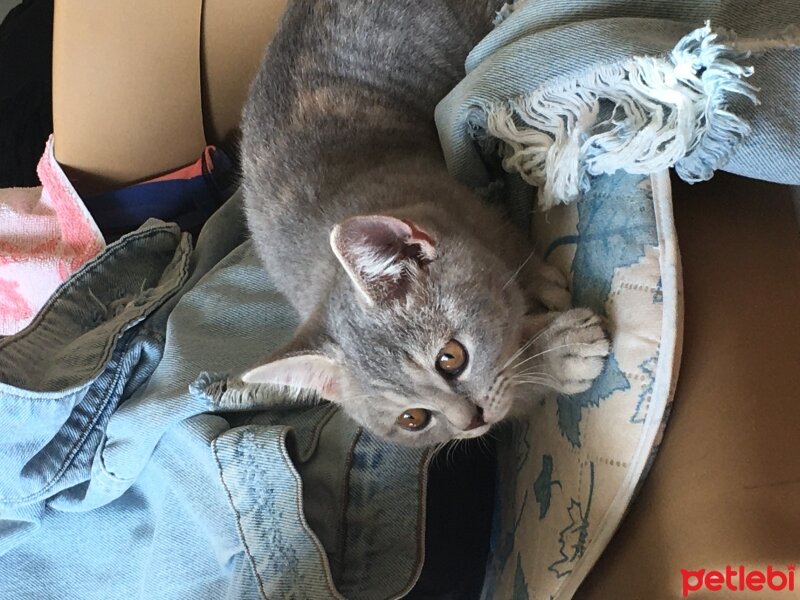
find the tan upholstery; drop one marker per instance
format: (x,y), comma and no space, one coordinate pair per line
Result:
(127,80)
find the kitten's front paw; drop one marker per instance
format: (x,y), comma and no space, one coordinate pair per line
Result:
(548,287)
(575,349)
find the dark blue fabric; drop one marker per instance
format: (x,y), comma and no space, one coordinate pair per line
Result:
(187,202)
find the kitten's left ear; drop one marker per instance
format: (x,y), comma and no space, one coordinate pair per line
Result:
(381,254)
(302,366)
(300,372)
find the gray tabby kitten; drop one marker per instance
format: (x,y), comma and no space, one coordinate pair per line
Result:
(425,315)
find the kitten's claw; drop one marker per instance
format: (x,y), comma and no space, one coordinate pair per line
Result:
(549,288)
(576,349)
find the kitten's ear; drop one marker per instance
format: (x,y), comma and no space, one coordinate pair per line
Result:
(300,365)
(309,372)
(382,255)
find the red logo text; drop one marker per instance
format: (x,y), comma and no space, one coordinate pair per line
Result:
(738,579)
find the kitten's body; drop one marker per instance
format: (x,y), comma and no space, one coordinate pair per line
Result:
(341,118)
(340,124)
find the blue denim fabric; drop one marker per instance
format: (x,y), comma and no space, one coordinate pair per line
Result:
(131,467)
(548,45)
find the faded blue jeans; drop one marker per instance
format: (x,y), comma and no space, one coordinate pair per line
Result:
(567,91)
(129,468)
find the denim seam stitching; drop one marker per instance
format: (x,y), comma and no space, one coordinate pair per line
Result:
(301,519)
(145,333)
(422,515)
(345,491)
(77,445)
(156,333)
(81,275)
(316,432)
(238,517)
(110,347)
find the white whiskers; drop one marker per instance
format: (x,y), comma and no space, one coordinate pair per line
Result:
(519,269)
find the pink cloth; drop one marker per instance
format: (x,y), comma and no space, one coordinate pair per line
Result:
(203,164)
(46,234)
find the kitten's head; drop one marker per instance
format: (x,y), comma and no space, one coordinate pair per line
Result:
(417,339)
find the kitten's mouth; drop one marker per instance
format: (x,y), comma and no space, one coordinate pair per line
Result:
(475,432)
(477,420)
(477,427)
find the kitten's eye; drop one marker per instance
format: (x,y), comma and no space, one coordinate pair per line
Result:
(452,359)
(414,419)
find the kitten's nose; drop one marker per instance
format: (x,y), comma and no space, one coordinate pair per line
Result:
(477,420)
